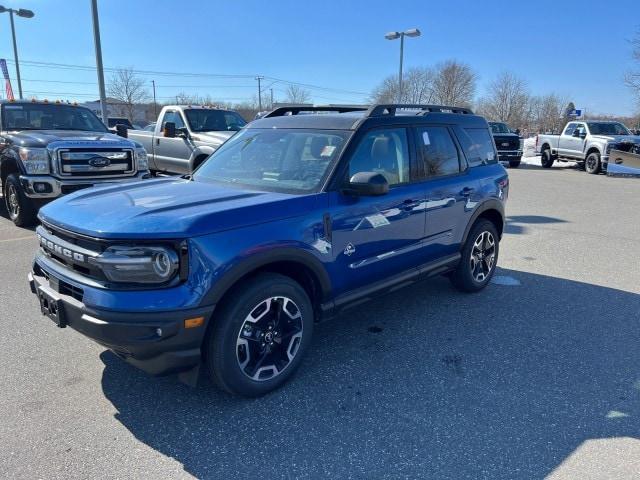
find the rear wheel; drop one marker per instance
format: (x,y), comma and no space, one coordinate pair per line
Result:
(479,258)
(20,208)
(592,163)
(547,158)
(260,335)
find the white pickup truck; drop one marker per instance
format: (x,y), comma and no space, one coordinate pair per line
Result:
(185,136)
(587,142)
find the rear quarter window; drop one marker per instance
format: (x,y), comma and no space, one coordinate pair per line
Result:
(478,146)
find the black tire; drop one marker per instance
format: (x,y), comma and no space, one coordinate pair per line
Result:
(515,163)
(592,163)
(20,208)
(233,341)
(465,277)
(547,158)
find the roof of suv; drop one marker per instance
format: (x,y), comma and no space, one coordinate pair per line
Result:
(352,117)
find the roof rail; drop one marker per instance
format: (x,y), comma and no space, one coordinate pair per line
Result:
(391,108)
(295,109)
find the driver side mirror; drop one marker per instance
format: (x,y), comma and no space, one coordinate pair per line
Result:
(578,133)
(517,131)
(367,184)
(169,130)
(122,130)
(182,132)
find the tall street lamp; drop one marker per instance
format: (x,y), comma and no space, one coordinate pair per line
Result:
(412,32)
(21,13)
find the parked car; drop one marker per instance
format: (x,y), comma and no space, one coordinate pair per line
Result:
(587,142)
(508,142)
(185,136)
(51,149)
(291,221)
(114,121)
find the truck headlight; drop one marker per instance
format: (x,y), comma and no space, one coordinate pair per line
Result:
(138,264)
(35,160)
(141,159)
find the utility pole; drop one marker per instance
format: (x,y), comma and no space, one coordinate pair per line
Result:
(21,12)
(259,79)
(155,104)
(96,40)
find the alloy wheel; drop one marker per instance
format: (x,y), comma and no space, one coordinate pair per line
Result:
(269,338)
(13,202)
(483,255)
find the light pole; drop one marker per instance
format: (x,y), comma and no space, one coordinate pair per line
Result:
(412,32)
(259,79)
(24,14)
(96,41)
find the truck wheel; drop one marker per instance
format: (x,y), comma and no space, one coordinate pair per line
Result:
(547,158)
(515,163)
(19,207)
(479,258)
(592,163)
(259,336)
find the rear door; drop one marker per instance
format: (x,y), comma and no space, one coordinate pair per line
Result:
(376,237)
(172,154)
(451,191)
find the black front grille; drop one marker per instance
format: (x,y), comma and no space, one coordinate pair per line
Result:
(507,143)
(95,162)
(59,285)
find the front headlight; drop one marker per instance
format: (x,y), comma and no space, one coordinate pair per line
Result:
(141,264)
(35,160)
(141,159)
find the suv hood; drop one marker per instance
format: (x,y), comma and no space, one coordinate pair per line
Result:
(617,138)
(168,208)
(42,138)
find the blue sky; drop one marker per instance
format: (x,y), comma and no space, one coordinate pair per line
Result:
(579,50)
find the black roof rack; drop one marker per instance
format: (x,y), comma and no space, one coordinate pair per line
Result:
(295,109)
(391,109)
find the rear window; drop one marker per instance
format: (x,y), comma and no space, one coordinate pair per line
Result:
(478,146)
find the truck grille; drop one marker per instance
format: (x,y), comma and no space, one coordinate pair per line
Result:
(507,143)
(95,162)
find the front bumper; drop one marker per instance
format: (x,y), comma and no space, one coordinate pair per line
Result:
(506,155)
(46,186)
(156,342)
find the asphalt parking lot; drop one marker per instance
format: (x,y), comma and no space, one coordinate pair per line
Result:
(538,375)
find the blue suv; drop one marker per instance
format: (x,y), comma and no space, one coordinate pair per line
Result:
(300,215)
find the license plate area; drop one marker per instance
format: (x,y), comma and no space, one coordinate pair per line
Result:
(52,307)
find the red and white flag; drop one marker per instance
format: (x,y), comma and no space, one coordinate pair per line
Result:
(7,81)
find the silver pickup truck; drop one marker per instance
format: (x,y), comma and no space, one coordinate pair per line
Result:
(185,136)
(587,142)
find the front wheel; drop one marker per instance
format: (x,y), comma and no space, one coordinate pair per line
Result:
(259,336)
(515,163)
(19,207)
(479,258)
(592,164)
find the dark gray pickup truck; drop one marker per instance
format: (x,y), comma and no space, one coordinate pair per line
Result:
(48,149)
(186,135)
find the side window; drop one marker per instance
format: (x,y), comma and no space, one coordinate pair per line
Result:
(478,146)
(439,152)
(384,151)
(172,117)
(581,128)
(570,128)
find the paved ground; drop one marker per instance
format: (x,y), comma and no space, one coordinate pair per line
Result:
(527,381)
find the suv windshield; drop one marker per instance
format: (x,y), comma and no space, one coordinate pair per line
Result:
(499,127)
(603,128)
(282,160)
(43,116)
(206,120)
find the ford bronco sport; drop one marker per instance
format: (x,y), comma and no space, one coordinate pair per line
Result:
(292,220)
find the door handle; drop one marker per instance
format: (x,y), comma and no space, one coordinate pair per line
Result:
(466,191)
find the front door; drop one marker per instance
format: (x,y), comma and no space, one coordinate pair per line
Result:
(172,154)
(374,238)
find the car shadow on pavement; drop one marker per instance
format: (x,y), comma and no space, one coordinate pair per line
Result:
(516,224)
(422,383)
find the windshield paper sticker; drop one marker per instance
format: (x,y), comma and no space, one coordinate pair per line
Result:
(425,138)
(328,150)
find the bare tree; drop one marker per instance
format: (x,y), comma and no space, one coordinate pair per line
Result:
(454,83)
(417,87)
(547,113)
(128,89)
(297,94)
(507,101)
(632,78)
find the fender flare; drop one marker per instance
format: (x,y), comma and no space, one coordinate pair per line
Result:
(491,204)
(10,157)
(199,151)
(262,259)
